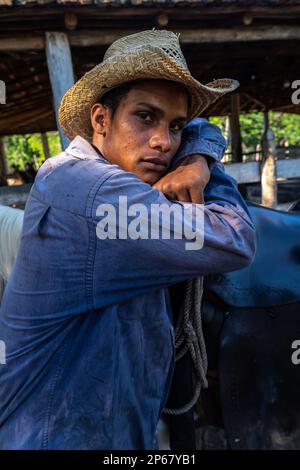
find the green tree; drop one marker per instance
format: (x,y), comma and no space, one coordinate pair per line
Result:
(22,149)
(285,126)
(28,148)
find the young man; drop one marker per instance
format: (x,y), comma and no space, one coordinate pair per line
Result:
(86,317)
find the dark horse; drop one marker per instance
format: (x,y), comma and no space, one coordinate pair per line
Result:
(251,322)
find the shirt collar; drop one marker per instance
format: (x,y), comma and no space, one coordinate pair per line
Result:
(81,148)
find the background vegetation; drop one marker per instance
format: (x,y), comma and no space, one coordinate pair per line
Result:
(285,126)
(29,149)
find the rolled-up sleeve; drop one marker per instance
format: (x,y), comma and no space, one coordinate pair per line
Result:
(200,136)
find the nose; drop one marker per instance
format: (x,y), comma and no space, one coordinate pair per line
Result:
(160,139)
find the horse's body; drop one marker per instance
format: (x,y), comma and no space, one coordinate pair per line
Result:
(11,222)
(252,330)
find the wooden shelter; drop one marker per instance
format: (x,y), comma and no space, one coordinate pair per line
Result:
(254,41)
(47,44)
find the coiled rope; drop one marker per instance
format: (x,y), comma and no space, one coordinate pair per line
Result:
(189,339)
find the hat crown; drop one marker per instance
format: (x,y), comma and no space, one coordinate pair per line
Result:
(166,41)
(152,54)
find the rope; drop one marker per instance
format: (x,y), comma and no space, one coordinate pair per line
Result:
(189,339)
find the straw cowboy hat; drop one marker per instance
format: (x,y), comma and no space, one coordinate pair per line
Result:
(154,54)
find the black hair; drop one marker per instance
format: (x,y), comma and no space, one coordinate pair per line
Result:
(112,98)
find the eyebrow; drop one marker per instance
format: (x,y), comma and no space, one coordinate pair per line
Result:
(157,110)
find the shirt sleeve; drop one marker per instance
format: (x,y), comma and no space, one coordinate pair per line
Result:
(200,136)
(123,267)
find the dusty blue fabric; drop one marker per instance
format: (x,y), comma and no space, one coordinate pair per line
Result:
(87,322)
(201,136)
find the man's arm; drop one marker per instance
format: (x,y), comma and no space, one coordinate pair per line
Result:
(187,182)
(202,146)
(126,267)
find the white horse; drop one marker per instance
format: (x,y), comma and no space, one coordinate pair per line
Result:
(11,223)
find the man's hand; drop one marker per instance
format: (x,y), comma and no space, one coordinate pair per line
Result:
(187,182)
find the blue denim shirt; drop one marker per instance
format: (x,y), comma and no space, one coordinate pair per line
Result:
(87,322)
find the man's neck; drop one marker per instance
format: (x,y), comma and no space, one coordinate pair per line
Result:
(97,150)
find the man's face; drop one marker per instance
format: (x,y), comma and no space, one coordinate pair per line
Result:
(145,132)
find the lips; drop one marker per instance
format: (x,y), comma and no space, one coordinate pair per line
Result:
(155,163)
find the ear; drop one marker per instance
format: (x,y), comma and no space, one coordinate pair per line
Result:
(100,116)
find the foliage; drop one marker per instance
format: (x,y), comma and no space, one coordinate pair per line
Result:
(285,126)
(28,148)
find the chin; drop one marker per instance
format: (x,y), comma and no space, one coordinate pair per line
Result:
(151,179)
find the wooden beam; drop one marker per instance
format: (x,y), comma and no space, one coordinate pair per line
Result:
(41,121)
(26,118)
(244,172)
(235,129)
(242,34)
(249,172)
(60,71)
(196,10)
(104,37)
(288,168)
(22,43)
(194,36)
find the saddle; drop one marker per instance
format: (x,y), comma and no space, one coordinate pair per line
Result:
(273,277)
(251,321)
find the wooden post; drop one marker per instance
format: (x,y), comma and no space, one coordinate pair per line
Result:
(235,130)
(45,144)
(60,71)
(268,167)
(227,135)
(3,161)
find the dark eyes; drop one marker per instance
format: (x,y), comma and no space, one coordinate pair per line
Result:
(145,116)
(177,127)
(148,118)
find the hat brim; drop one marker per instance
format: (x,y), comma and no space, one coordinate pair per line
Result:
(142,63)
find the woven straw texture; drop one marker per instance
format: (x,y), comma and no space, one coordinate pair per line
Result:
(154,54)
